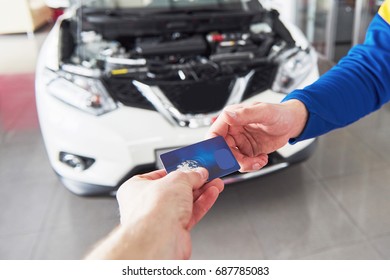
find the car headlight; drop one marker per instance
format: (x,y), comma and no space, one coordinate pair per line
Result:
(294,67)
(86,94)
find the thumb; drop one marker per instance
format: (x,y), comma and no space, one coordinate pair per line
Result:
(194,178)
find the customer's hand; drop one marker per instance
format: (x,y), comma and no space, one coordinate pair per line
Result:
(157,213)
(168,207)
(253,131)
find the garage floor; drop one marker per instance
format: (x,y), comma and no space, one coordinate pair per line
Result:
(333,206)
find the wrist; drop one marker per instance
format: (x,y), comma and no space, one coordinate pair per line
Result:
(150,238)
(116,246)
(299,115)
(140,239)
(125,243)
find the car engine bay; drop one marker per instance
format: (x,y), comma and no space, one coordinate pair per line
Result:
(183,54)
(173,61)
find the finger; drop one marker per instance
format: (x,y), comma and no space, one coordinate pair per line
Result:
(253,164)
(154,175)
(218,183)
(202,205)
(195,178)
(261,113)
(220,127)
(248,164)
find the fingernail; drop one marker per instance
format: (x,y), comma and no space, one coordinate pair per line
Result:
(202,172)
(231,114)
(256,166)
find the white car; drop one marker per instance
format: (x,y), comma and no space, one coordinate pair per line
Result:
(118,84)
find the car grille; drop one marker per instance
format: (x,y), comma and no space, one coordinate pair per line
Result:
(123,90)
(198,97)
(192,97)
(261,80)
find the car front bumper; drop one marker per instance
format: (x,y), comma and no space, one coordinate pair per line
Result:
(276,163)
(125,142)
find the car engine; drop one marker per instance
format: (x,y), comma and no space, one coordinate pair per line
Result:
(178,55)
(197,55)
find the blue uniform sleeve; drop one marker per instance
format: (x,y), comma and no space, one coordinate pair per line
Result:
(358,85)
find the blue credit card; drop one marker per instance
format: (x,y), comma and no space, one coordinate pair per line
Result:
(213,154)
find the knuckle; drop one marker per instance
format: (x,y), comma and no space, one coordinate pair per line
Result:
(178,175)
(244,111)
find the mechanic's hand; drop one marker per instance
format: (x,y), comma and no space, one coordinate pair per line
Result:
(160,210)
(253,131)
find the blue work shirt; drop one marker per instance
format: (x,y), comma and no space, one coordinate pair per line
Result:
(358,85)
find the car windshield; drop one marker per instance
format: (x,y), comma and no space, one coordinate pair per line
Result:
(167,4)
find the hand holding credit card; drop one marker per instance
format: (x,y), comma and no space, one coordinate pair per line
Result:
(213,154)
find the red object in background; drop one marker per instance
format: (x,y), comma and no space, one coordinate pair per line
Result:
(57,13)
(217,37)
(17,102)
